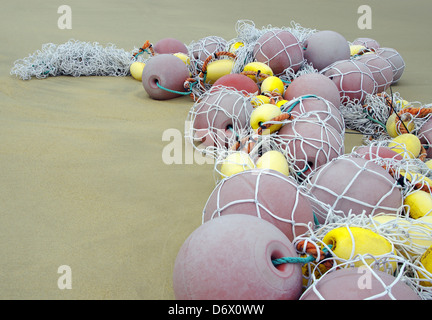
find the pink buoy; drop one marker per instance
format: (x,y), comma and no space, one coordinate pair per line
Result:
(310,143)
(237,81)
(359,284)
(279,49)
(219,116)
(425,136)
(230,258)
(170,45)
(353,79)
(353,185)
(381,69)
(205,47)
(320,107)
(324,48)
(163,77)
(315,84)
(395,60)
(266,194)
(367,42)
(376,152)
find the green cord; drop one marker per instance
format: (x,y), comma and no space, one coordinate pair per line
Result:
(304,260)
(172,91)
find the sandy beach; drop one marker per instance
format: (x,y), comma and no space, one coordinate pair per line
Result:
(82,179)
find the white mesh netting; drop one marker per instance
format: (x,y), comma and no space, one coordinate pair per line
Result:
(75,58)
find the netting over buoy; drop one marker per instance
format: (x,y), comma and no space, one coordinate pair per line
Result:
(311,141)
(372,245)
(353,79)
(74,58)
(267,194)
(280,49)
(218,119)
(353,185)
(200,50)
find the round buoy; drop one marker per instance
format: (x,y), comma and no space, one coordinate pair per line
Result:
(354,185)
(230,258)
(279,49)
(267,194)
(163,77)
(313,84)
(359,284)
(353,79)
(324,48)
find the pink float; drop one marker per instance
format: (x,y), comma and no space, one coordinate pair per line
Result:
(204,47)
(359,284)
(350,185)
(376,153)
(266,194)
(320,107)
(279,49)
(230,258)
(219,117)
(381,69)
(353,79)
(309,143)
(170,45)
(237,81)
(325,47)
(313,84)
(163,77)
(395,60)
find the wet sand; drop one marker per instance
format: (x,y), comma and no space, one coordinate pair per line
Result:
(82,180)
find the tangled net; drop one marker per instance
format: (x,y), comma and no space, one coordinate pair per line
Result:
(74,58)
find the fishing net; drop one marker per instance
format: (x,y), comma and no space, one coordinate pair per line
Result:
(75,58)
(390,236)
(373,116)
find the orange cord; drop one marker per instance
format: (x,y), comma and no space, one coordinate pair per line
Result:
(146,45)
(310,248)
(282,117)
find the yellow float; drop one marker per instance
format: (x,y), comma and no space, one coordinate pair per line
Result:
(348,242)
(272,85)
(426,263)
(263,113)
(235,46)
(236,162)
(419,203)
(356,49)
(259,100)
(408,145)
(274,160)
(183,57)
(257,68)
(411,235)
(218,68)
(391,125)
(136,70)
